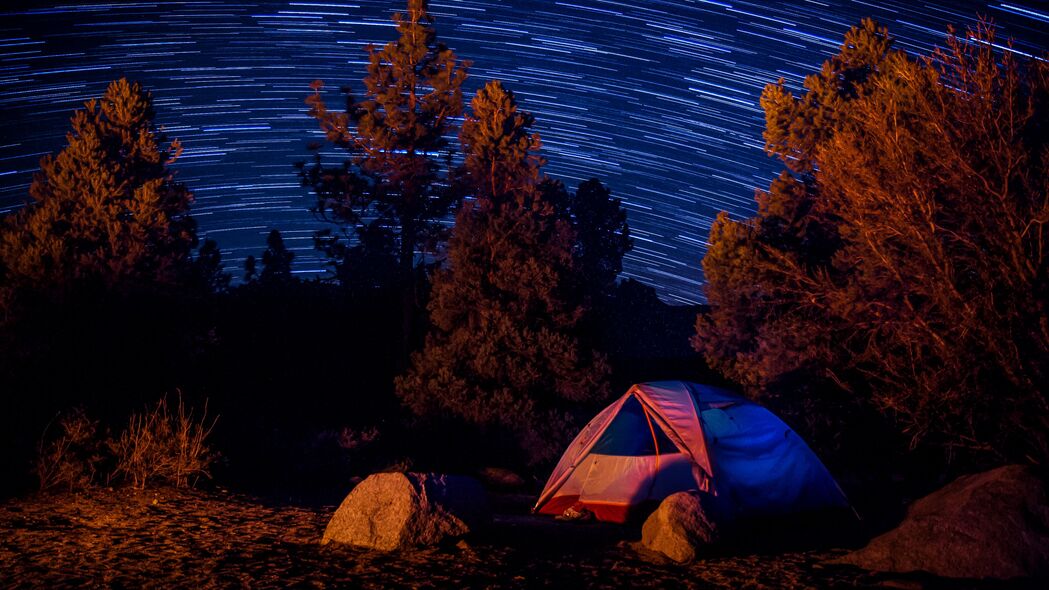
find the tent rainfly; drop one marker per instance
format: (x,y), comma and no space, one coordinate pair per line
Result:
(671,436)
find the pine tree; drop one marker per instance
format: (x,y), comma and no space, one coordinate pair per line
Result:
(602,236)
(106,209)
(501,153)
(251,272)
(206,274)
(504,354)
(755,333)
(388,196)
(276,260)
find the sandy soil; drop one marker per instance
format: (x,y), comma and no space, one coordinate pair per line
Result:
(175,538)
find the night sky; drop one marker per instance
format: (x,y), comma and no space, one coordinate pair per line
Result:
(657,99)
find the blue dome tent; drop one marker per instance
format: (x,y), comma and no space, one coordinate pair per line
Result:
(670,436)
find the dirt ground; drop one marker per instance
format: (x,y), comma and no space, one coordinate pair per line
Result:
(175,538)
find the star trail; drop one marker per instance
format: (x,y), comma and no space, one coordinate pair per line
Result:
(657,99)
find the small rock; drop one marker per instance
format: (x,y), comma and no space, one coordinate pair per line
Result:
(389,511)
(678,528)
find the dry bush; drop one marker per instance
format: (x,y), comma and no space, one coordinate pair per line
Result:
(71,459)
(165,445)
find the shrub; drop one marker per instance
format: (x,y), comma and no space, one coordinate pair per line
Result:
(165,445)
(331,456)
(72,458)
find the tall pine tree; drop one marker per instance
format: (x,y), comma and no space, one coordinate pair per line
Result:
(105,210)
(388,196)
(504,354)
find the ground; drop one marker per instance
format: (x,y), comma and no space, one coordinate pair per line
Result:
(182,538)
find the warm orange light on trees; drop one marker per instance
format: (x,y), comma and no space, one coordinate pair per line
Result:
(106,209)
(505,353)
(901,257)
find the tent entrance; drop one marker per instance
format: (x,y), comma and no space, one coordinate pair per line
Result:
(632,462)
(633,433)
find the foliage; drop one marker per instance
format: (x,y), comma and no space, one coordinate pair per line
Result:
(250,269)
(602,236)
(501,152)
(276,260)
(206,273)
(164,445)
(106,209)
(899,261)
(600,230)
(388,196)
(504,353)
(276,265)
(70,460)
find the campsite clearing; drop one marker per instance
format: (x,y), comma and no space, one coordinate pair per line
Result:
(178,538)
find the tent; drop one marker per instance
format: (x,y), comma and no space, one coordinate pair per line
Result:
(671,436)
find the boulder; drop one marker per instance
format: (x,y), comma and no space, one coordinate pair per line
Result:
(678,528)
(389,511)
(988,525)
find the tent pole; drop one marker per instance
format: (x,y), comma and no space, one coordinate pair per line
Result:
(655,444)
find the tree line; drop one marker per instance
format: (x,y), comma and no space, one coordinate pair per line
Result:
(892,285)
(502,296)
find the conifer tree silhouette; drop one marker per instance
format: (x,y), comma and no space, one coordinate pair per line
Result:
(276,260)
(388,196)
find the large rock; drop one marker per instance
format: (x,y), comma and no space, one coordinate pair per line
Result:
(390,511)
(989,525)
(678,528)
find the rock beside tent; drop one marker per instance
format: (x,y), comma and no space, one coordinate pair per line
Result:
(679,528)
(389,511)
(988,525)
